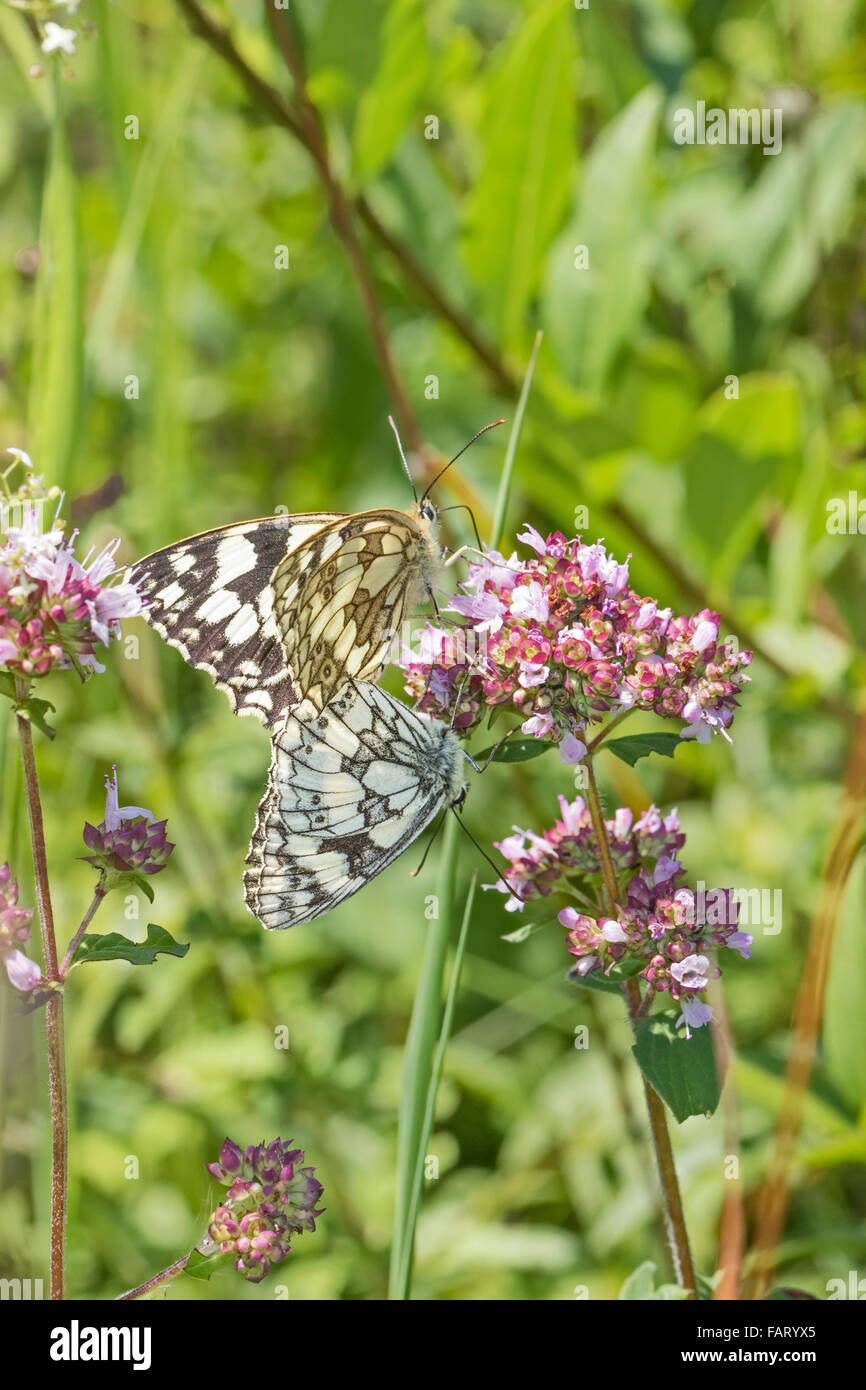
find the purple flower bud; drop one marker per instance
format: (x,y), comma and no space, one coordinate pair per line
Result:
(270,1198)
(128,841)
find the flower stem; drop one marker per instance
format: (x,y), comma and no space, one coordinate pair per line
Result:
(675,1222)
(53,1009)
(98,896)
(164,1275)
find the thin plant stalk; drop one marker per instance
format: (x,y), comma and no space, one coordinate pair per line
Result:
(774,1195)
(162,1278)
(511,451)
(66,964)
(674,1215)
(732,1224)
(58,1096)
(418,1064)
(405,1273)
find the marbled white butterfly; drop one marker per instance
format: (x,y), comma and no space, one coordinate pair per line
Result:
(287,609)
(347,792)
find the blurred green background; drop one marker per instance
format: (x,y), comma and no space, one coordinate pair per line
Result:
(153,259)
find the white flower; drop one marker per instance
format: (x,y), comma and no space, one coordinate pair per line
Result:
(694,1014)
(58,37)
(571,750)
(529,601)
(22,457)
(538,725)
(532,673)
(532,537)
(23,973)
(694,973)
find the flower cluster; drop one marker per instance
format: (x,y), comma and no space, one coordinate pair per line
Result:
(14,920)
(538,865)
(55,610)
(129,840)
(271,1197)
(665,928)
(564,641)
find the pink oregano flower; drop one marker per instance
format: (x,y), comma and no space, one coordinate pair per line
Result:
(663,926)
(56,610)
(563,640)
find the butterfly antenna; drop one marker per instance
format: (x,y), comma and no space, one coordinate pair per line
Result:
(462,507)
(498,872)
(393,424)
(483,430)
(430,843)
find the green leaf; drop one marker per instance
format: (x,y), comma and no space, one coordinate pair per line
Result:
(743,450)
(640,1283)
(636,746)
(526,930)
(516,750)
(682,1070)
(55,389)
(591,312)
(113,946)
(200,1266)
(610,983)
(527,135)
(34,711)
(845,1010)
(141,882)
(390,103)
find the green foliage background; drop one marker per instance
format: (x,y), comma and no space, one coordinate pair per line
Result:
(259,388)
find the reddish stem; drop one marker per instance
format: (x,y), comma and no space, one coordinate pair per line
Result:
(53,1009)
(675,1221)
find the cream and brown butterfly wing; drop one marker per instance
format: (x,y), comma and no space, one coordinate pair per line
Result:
(341,595)
(347,793)
(211,598)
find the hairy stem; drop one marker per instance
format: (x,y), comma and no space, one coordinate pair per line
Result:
(162,1278)
(58,1098)
(98,896)
(675,1221)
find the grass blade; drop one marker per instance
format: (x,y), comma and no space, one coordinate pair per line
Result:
(430,1111)
(55,392)
(511,452)
(418,1065)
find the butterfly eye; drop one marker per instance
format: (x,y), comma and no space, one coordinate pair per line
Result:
(429,512)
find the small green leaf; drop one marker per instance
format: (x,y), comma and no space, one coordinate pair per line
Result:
(141,882)
(526,930)
(34,711)
(608,984)
(113,946)
(681,1069)
(7,684)
(516,750)
(636,746)
(640,1283)
(201,1266)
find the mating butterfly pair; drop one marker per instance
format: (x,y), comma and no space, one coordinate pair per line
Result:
(292,618)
